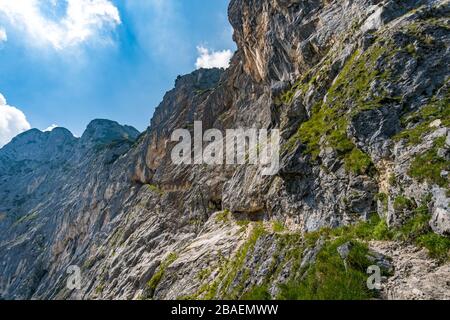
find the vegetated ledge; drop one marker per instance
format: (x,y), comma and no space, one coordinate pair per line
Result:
(309,266)
(351,93)
(346,97)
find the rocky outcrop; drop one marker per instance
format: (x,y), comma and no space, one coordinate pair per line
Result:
(417,277)
(359,90)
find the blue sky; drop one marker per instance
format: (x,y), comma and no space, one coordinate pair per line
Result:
(110,59)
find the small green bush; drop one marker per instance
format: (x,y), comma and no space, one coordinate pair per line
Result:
(243,223)
(223,216)
(381,231)
(277,226)
(402,203)
(437,245)
(358,162)
(259,293)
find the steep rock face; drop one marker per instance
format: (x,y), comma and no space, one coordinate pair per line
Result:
(359,90)
(289,37)
(365,79)
(51,195)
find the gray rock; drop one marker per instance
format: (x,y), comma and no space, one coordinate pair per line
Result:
(344,250)
(440,221)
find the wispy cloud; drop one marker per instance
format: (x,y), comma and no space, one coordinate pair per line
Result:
(213,59)
(3,35)
(159,27)
(53,126)
(78,22)
(12,122)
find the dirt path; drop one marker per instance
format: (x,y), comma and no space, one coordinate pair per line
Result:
(417,276)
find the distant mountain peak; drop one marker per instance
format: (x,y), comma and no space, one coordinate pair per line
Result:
(103,131)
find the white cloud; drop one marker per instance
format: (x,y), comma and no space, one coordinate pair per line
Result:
(53,126)
(12,122)
(82,20)
(213,59)
(3,35)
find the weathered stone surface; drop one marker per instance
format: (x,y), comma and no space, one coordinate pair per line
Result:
(416,277)
(441,212)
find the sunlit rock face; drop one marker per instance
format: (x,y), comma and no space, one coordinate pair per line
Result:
(359,90)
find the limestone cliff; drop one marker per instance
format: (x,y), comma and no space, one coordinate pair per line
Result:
(360,92)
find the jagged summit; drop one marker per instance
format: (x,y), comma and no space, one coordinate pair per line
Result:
(38,144)
(202,79)
(104,131)
(36,135)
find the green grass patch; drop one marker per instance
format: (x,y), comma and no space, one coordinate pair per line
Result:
(155,189)
(413,228)
(330,279)
(223,217)
(428,166)
(347,97)
(26,218)
(153,283)
(278,226)
(420,121)
(437,245)
(204,274)
(258,293)
(392,180)
(402,203)
(417,230)
(358,162)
